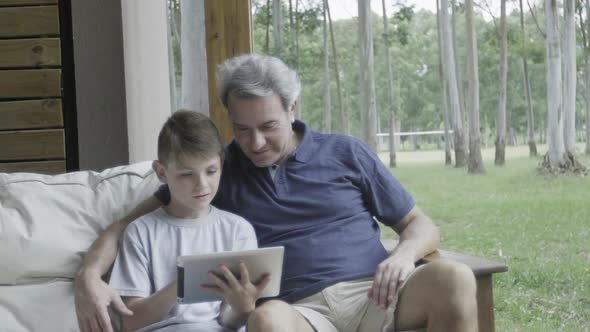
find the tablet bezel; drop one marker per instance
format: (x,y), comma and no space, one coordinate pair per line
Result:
(193,271)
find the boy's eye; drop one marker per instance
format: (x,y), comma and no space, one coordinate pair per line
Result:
(186,174)
(212,171)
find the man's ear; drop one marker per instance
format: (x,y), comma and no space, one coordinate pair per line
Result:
(292,110)
(160,170)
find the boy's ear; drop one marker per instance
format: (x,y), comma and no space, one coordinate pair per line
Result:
(160,170)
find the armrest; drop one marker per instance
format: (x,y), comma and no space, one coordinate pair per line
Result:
(480,266)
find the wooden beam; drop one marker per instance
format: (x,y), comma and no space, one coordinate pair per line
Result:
(29,21)
(30,83)
(31,114)
(32,145)
(17,53)
(228,26)
(43,167)
(4,3)
(485,303)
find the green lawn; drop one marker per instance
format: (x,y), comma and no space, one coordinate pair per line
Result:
(538,226)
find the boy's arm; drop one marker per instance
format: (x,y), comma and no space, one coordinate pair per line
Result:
(92,294)
(149,310)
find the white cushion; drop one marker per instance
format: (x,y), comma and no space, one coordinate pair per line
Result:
(47,223)
(38,307)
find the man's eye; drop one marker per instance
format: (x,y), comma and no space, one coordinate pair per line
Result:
(212,171)
(186,174)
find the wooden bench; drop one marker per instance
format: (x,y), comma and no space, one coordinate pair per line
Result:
(483,269)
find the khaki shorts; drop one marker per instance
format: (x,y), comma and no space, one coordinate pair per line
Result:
(345,307)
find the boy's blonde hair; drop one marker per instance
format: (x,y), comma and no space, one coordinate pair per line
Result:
(188,134)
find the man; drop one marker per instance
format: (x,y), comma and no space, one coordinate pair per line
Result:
(318,195)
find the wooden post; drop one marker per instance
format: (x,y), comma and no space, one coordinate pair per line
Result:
(228,26)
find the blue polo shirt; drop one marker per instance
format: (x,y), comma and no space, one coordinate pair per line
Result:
(321,206)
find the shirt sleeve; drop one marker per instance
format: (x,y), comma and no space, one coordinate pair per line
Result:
(386,198)
(130,275)
(245,237)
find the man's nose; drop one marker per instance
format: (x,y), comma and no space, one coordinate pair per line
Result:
(257,141)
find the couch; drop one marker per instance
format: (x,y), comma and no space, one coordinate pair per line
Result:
(47,223)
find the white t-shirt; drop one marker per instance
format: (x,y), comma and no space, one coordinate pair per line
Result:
(146,261)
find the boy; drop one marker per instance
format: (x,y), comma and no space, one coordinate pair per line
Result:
(190,157)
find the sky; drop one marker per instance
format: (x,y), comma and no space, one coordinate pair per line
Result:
(342,9)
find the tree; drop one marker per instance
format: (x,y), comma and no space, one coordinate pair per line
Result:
(527,89)
(194,57)
(569,98)
(451,80)
(327,97)
(343,115)
(367,78)
(390,99)
(500,157)
(475,163)
(587,74)
(444,102)
(277,25)
(556,149)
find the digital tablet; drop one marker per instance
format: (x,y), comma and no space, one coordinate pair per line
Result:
(193,271)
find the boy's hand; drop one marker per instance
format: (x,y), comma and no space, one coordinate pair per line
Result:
(240,294)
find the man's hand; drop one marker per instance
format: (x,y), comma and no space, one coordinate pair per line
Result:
(93,296)
(389,276)
(240,294)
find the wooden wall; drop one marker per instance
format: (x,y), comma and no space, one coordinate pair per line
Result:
(32,136)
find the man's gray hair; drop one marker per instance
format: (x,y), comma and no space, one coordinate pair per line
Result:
(255,75)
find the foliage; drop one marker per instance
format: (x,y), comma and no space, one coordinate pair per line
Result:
(413,42)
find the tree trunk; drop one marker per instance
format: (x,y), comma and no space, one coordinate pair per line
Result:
(173,40)
(587,76)
(475,164)
(298,113)
(390,99)
(449,71)
(460,85)
(500,158)
(527,90)
(327,97)
(267,40)
(342,112)
(444,93)
(277,25)
(556,148)
(569,59)
(367,77)
(194,57)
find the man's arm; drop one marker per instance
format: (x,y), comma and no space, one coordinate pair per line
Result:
(418,237)
(92,294)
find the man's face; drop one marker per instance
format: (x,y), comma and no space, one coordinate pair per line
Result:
(193,183)
(262,128)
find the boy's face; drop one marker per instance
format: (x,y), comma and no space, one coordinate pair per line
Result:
(193,183)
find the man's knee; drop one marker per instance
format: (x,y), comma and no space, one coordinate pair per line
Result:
(264,318)
(457,288)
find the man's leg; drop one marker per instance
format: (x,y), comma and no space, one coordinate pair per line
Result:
(277,316)
(441,296)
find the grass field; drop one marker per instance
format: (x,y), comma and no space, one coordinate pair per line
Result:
(539,226)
